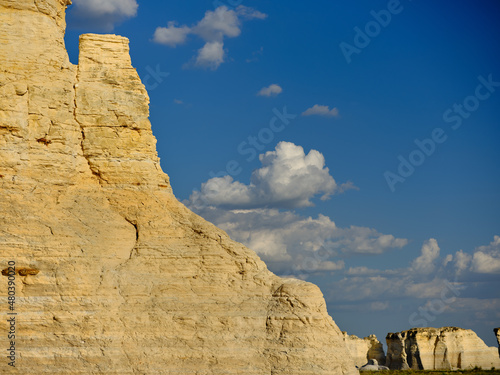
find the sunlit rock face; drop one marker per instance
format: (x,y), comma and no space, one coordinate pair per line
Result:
(439,349)
(364,349)
(115,276)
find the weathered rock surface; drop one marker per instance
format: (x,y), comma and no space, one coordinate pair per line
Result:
(439,349)
(129,280)
(373,365)
(497,334)
(364,350)
(376,350)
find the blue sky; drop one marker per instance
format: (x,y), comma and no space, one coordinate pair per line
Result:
(378,126)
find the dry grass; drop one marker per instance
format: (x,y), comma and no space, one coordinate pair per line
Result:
(445,372)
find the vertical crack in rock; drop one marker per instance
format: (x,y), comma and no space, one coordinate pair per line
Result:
(136,227)
(95,171)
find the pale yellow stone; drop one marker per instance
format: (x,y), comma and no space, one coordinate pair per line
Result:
(130,281)
(439,349)
(497,334)
(364,349)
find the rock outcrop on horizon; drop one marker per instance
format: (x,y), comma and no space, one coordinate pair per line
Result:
(365,349)
(373,365)
(447,348)
(117,276)
(497,334)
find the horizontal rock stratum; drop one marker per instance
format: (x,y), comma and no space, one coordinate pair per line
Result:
(123,278)
(447,348)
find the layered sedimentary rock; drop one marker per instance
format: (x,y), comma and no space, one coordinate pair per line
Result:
(117,276)
(365,349)
(439,349)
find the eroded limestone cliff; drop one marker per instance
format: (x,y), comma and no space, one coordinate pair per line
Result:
(364,349)
(497,334)
(129,280)
(439,349)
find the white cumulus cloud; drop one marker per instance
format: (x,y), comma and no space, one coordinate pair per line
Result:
(272,90)
(429,277)
(211,55)
(103,14)
(486,259)
(172,35)
(426,262)
(461,261)
(291,243)
(288,178)
(218,24)
(213,28)
(321,110)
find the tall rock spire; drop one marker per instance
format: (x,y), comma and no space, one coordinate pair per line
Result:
(124,278)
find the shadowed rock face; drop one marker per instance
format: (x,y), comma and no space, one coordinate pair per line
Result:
(497,334)
(439,349)
(373,365)
(128,280)
(364,350)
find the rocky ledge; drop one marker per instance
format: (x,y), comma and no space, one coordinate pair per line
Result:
(447,348)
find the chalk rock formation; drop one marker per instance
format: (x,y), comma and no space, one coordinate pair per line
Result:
(439,349)
(396,358)
(375,350)
(363,350)
(373,365)
(123,279)
(497,334)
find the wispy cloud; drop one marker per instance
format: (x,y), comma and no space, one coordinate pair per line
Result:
(103,14)
(271,90)
(321,110)
(295,244)
(255,55)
